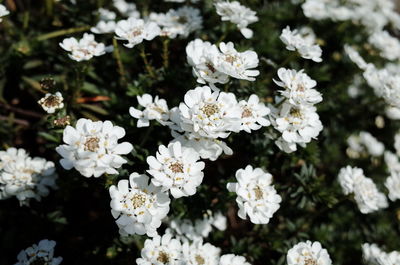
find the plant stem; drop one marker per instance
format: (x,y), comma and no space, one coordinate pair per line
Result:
(148,66)
(288,59)
(165,54)
(62,32)
(121,69)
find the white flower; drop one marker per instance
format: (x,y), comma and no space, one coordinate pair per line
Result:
(201,56)
(392,183)
(231,259)
(257,198)
(42,253)
(305,253)
(355,57)
(254,114)
(181,21)
(298,87)
(177,169)
(349,177)
(210,114)
(388,45)
(25,177)
(104,27)
(237,64)
(3,12)
(219,221)
(198,253)
(392,162)
(238,14)
(138,206)
(303,43)
(93,148)
(373,255)
(84,49)
(51,102)
(298,125)
(126,9)
(156,109)
(161,250)
(207,148)
(136,30)
(374,147)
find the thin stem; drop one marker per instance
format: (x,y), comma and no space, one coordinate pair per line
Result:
(62,32)
(165,54)
(121,69)
(148,66)
(288,59)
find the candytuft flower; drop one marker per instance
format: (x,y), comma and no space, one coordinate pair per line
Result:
(42,253)
(231,259)
(156,109)
(84,49)
(134,31)
(51,102)
(257,198)
(92,148)
(238,14)
(254,114)
(306,253)
(138,206)
(176,168)
(3,12)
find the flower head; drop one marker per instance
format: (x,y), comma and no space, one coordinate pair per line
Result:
(231,259)
(138,206)
(156,109)
(177,169)
(51,102)
(257,198)
(93,148)
(84,49)
(134,31)
(42,253)
(254,114)
(3,12)
(308,253)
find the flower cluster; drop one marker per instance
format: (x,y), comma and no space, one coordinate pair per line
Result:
(138,205)
(107,22)
(3,12)
(168,250)
(156,109)
(257,198)
(199,229)
(212,65)
(52,102)
(135,30)
(83,49)
(366,194)
(373,255)
(42,253)
(176,169)
(302,41)
(364,142)
(25,177)
(92,148)
(179,22)
(307,253)
(296,117)
(238,14)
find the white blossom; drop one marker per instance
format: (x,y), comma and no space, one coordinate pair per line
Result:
(256,197)
(373,255)
(103,27)
(254,114)
(84,49)
(177,169)
(156,109)
(51,102)
(349,177)
(388,45)
(355,57)
(392,183)
(25,177)
(126,9)
(305,253)
(298,87)
(298,125)
(364,142)
(93,148)
(198,253)
(302,41)
(210,114)
(3,12)
(42,253)
(238,14)
(181,21)
(138,205)
(134,31)
(231,259)
(161,250)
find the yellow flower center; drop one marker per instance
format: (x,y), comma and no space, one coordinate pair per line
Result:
(92,144)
